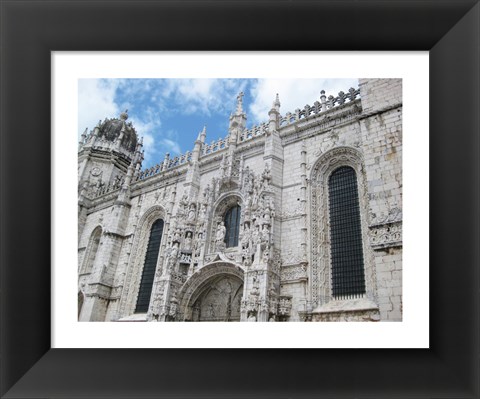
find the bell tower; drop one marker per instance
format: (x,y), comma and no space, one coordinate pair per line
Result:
(104,157)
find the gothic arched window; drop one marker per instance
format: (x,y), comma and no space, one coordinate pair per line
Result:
(232,226)
(148,273)
(93,244)
(348,275)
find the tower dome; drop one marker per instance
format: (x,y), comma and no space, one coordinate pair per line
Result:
(118,129)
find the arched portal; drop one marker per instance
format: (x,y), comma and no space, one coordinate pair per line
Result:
(219,300)
(214,293)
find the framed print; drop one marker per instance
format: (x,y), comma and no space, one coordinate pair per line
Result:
(38,360)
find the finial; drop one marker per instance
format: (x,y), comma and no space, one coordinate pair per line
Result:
(240,103)
(202,134)
(276,103)
(124,115)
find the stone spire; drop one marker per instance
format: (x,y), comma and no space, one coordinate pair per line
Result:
(198,144)
(274,116)
(202,134)
(276,103)
(238,121)
(239,109)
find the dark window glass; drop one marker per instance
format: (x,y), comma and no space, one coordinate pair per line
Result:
(348,279)
(232,225)
(146,283)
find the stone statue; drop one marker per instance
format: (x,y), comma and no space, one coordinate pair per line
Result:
(187,244)
(172,257)
(221,230)
(266,255)
(265,234)
(191,213)
(206,193)
(256,235)
(203,212)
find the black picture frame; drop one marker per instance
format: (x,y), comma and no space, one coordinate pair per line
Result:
(30,30)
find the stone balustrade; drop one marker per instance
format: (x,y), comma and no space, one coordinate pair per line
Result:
(255,131)
(319,106)
(214,146)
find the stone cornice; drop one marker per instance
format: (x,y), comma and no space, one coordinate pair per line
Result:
(380,111)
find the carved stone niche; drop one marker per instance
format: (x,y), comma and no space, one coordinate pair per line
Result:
(220,208)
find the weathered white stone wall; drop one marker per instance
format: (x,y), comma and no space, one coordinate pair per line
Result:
(381,131)
(377,94)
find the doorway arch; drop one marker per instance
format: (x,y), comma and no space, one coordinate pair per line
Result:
(214,293)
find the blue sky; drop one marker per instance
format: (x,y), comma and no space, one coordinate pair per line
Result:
(169,113)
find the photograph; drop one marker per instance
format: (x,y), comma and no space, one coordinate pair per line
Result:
(230,200)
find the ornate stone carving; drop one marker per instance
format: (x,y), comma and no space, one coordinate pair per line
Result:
(387,235)
(291,258)
(291,273)
(172,257)
(284,306)
(294,211)
(393,215)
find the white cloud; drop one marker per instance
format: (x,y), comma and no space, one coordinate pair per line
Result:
(96,102)
(293,93)
(171,146)
(203,96)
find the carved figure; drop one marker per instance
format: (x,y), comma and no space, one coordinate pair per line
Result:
(256,236)
(188,241)
(265,234)
(221,230)
(177,235)
(266,255)
(172,257)
(191,213)
(206,193)
(203,212)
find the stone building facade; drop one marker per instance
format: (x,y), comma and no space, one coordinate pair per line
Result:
(297,219)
